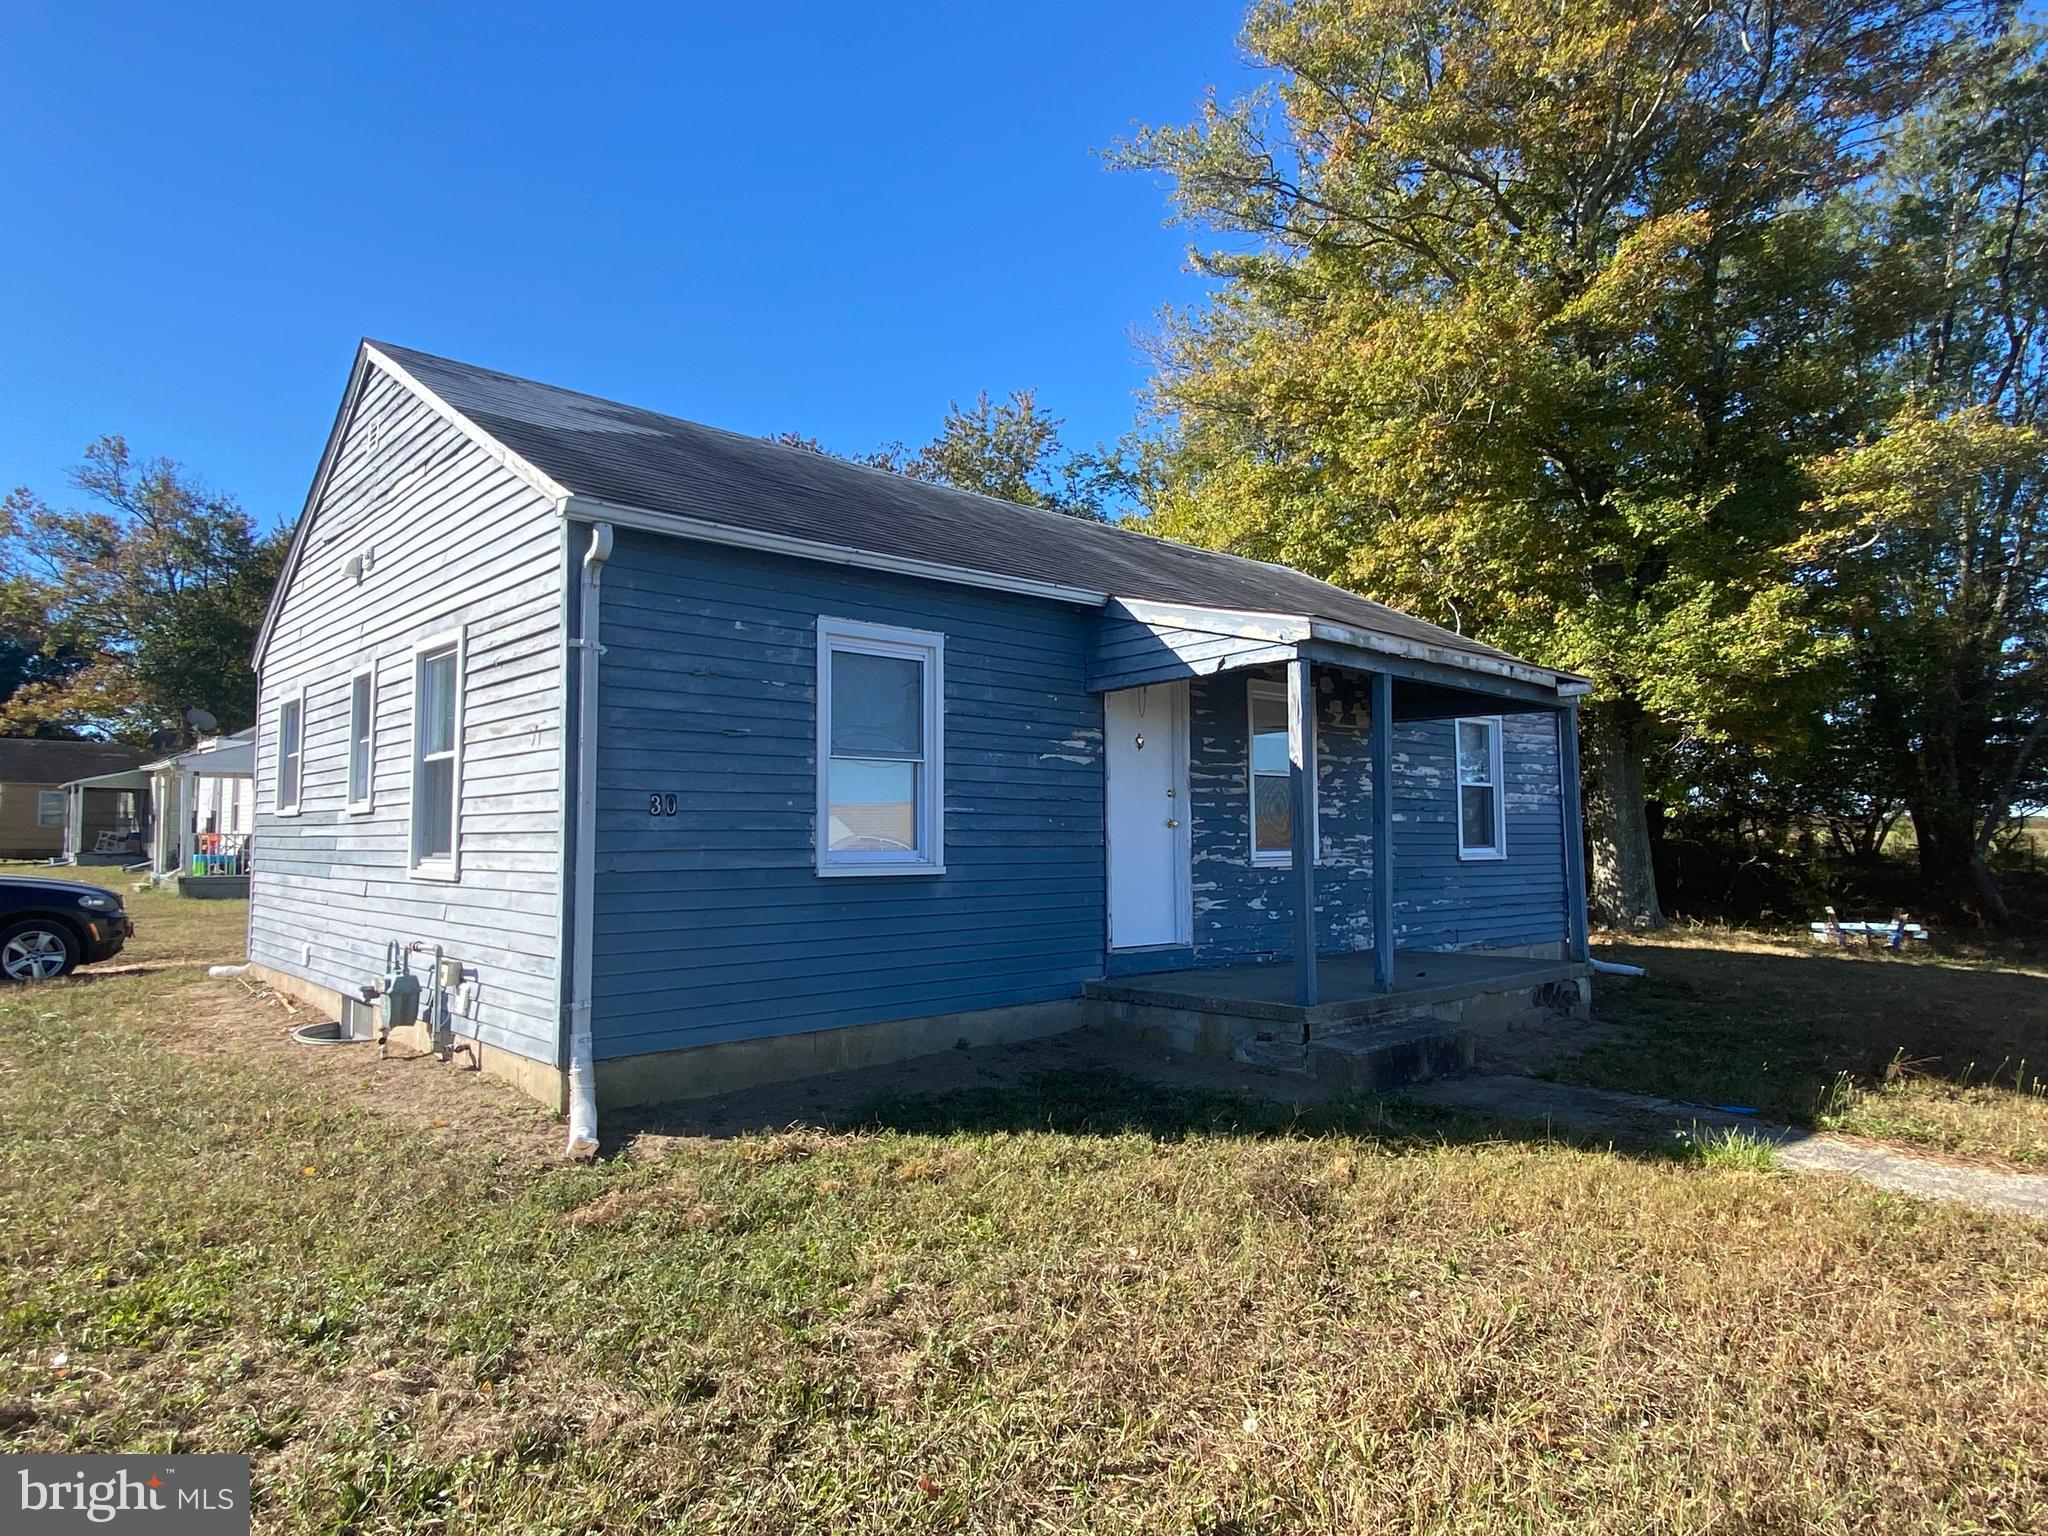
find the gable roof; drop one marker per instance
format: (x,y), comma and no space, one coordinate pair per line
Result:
(36,760)
(693,478)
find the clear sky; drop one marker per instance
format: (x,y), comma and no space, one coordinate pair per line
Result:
(830,219)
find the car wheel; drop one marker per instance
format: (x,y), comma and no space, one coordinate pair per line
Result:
(36,950)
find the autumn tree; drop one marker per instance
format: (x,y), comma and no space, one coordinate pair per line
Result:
(1528,316)
(1928,556)
(149,599)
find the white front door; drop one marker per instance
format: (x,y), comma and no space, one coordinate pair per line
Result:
(1148,815)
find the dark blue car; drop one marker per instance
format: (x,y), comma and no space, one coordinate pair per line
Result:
(50,927)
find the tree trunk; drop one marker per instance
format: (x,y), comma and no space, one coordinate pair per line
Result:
(1624,883)
(1952,865)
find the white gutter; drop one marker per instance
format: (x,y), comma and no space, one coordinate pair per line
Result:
(589,508)
(582,1069)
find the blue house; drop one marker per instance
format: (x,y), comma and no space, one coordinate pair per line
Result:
(673,760)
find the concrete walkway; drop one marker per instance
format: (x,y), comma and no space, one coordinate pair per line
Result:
(1635,1116)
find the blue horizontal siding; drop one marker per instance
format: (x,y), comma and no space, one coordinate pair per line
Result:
(713,924)
(1245,911)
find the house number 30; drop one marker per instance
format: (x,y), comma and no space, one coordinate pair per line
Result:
(661,805)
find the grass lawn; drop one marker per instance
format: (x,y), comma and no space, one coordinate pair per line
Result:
(1945,1049)
(1090,1305)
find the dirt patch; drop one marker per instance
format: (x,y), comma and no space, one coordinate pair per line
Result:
(678,1201)
(213,1017)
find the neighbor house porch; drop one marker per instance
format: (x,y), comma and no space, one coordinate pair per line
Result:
(1437,789)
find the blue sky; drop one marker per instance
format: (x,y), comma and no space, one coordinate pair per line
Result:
(829,219)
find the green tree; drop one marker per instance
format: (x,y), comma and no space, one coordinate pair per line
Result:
(149,599)
(1011,450)
(1529,317)
(1929,554)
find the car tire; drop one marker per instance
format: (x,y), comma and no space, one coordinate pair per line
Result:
(37,949)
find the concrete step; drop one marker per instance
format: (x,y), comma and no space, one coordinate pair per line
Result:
(1380,1057)
(1281,1050)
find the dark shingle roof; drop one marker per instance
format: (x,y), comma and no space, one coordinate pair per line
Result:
(32,760)
(641,459)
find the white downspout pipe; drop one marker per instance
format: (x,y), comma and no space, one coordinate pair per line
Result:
(582,1070)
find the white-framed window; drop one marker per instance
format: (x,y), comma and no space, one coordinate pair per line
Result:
(362,737)
(881,749)
(437,758)
(1482,799)
(51,804)
(291,751)
(1272,798)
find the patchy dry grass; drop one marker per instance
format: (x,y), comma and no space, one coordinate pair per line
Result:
(169,929)
(1945,1049)
(978,1316)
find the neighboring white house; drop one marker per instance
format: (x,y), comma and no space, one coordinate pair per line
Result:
(202,807)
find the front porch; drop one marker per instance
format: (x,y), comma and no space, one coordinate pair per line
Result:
(1433,789)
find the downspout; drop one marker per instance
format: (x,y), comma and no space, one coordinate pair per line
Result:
(582,1070)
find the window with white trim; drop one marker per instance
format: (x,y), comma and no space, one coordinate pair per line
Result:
(362,737)
(437,758)
(291,719)
(881,754)
(1482,801)
(50,807)
(1272,808)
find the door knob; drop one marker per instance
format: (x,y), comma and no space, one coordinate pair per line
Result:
(1173,821)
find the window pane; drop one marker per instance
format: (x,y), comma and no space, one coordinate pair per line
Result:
(1475,811)
(359,739)
(877,705)
(873,806)
(1475,752)
(1269,734)
(1272,816)
(50,808)
(288,754)
(433,810)
(437,703)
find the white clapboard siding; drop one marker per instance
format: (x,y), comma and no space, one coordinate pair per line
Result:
(455,539)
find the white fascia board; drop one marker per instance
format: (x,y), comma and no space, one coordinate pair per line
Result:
(537,478)
(591,509)
(1280,627)
(1440,655)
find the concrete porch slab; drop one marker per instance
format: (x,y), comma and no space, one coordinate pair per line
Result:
(1422,979)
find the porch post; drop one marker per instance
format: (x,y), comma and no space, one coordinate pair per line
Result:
(1301,789)
(185,811)
(1383,831)
(1574,830)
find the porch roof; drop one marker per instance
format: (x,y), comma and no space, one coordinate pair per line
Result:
(134,778)
(1140,643)
(220,757)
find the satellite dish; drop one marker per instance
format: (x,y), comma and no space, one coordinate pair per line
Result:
(201,720)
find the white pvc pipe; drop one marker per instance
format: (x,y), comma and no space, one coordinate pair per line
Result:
(582,1068)
(1616,968)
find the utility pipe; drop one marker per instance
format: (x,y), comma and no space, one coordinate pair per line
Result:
(582,1070)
